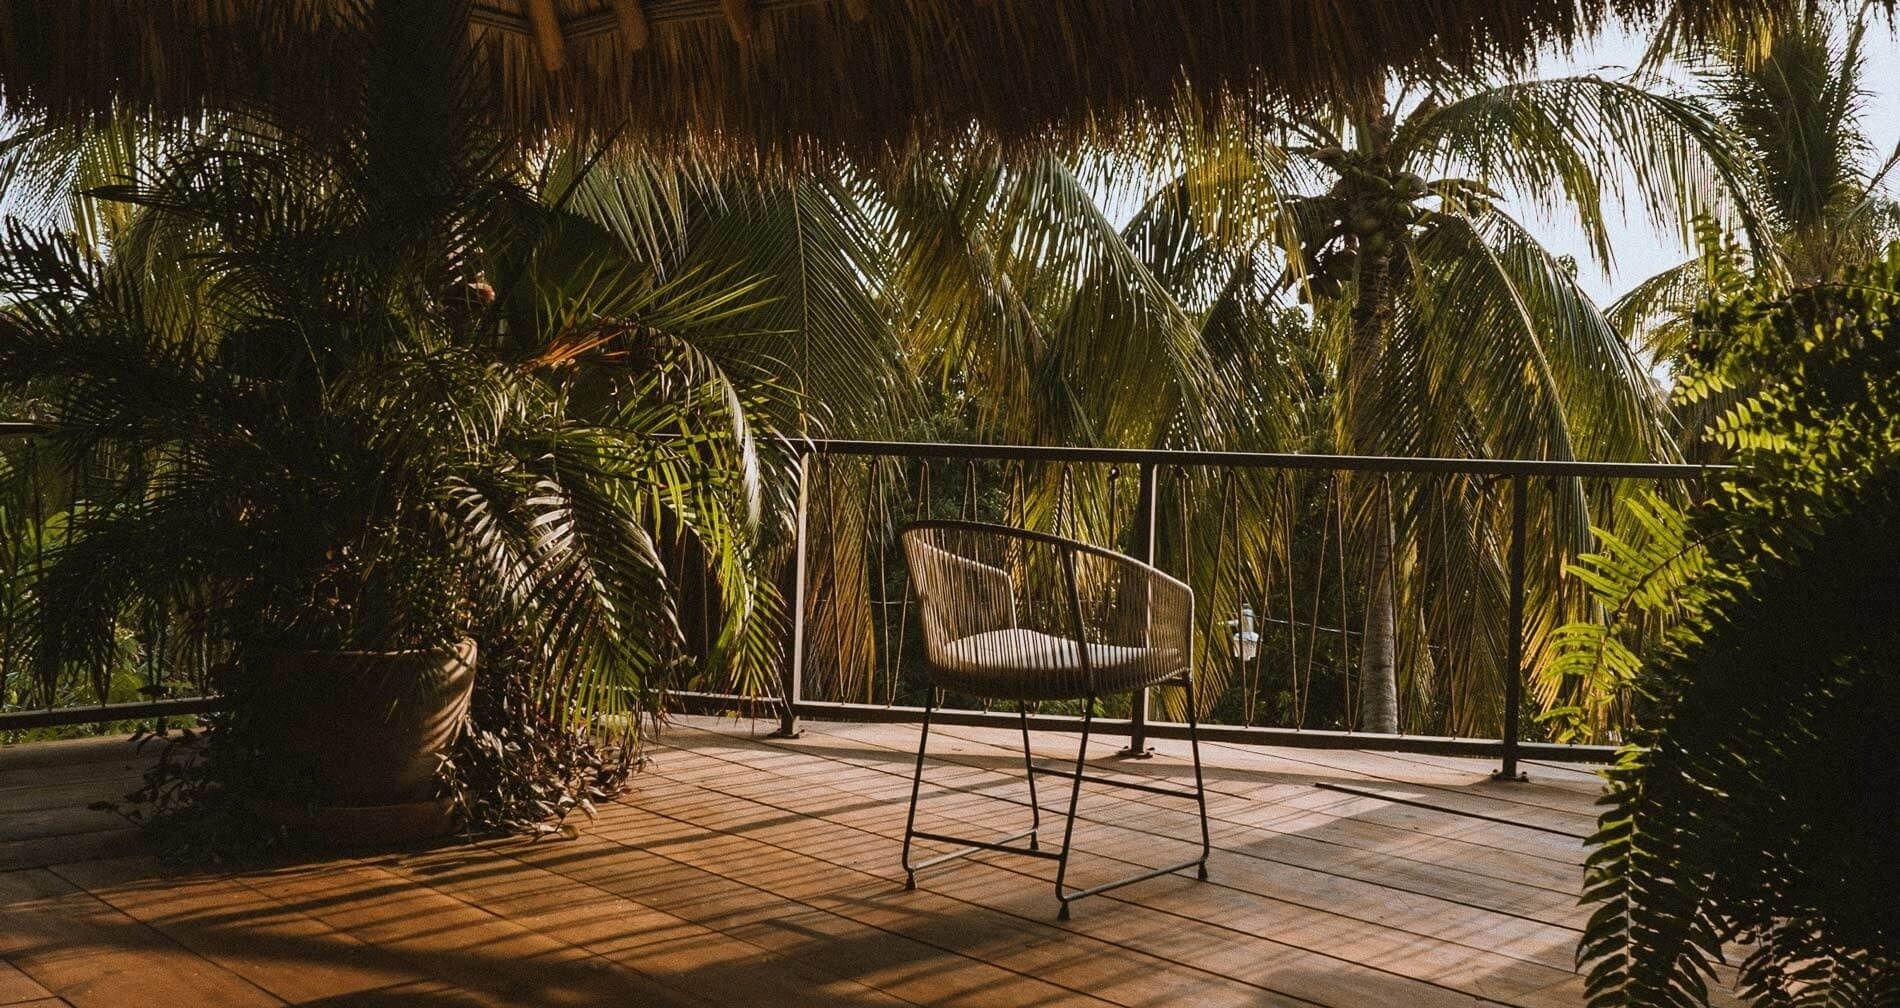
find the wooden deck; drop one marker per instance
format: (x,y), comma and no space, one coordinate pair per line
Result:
(743,870)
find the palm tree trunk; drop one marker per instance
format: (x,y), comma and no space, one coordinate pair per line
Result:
(1378,666)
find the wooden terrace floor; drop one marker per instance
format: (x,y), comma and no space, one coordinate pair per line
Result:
(744,870)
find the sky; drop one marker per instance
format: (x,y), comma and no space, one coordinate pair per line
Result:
(1641,251)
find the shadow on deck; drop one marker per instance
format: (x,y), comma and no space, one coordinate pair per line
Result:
(742,870)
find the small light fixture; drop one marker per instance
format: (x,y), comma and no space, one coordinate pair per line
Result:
(1244,641)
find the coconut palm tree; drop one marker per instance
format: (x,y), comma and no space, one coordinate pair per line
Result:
(1451,331)
(1049,325)
(1792,94)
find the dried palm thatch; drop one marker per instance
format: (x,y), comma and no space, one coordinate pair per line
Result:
(775,77)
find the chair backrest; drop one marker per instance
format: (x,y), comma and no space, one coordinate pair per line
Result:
(959,595)
(973,578)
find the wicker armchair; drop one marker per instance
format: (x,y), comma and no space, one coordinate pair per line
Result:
(1015,615)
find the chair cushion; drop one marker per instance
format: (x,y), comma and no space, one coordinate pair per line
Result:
(1018,664)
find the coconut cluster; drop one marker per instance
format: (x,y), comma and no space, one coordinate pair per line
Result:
(1371,209)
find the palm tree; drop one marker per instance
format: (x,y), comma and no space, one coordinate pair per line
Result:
(1008,271)
(1047,325)
(1792,94)
(1451,331)
(1789,90)
(48,171)
(1002,276)
(372,381)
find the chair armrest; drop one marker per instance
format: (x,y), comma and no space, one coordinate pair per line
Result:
(1128,602)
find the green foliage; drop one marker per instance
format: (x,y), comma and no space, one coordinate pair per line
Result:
(1037,322)
(193,801)
(519,767)
(1789,95)
(364,383)
(1796,96)
(1762,811)
(1444,329)
(1640,579)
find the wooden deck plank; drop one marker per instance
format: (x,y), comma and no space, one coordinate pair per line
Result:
(291,955)
(64,756)
(994,927)
(1044,904)
(1405,869)
(694,882)
(1554,793)
(1240,768)
(1232,902)
(16,987)
(1457,902)
(662,865)
(74,793)
(44,851)
(80,949)
(1557,852)
(1560,840)
(758,872)
(1585,778)
(611,924)
(56,821)
(438,936)
(744,847)
(1540,858)
(1530,802)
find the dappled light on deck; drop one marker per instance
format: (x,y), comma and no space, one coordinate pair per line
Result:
(744,869)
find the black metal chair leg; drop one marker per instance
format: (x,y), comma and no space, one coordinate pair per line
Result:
(1029,768)
(916,784)
(1200,787)
(1075,798)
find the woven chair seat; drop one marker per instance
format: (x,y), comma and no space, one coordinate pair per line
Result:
(1019,664)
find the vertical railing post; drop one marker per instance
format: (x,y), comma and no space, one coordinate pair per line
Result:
(1143,549)
(791,691)
(1515,671)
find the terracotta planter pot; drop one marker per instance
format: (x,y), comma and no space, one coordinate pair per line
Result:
(355,737)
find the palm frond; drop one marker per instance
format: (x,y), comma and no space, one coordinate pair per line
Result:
(1656,314)
(1565,143)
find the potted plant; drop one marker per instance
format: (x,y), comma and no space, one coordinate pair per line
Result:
(346,392)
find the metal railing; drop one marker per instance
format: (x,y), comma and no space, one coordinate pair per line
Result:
(1171,508)
(51,497)
(1157,506)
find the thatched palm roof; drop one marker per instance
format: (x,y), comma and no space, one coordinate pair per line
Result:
(772,75)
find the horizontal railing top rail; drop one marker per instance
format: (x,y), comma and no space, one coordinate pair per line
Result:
(1197,457)
(1264,460)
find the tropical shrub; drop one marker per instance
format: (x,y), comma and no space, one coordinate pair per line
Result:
(521,767)
(1761,808)
(367,384)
